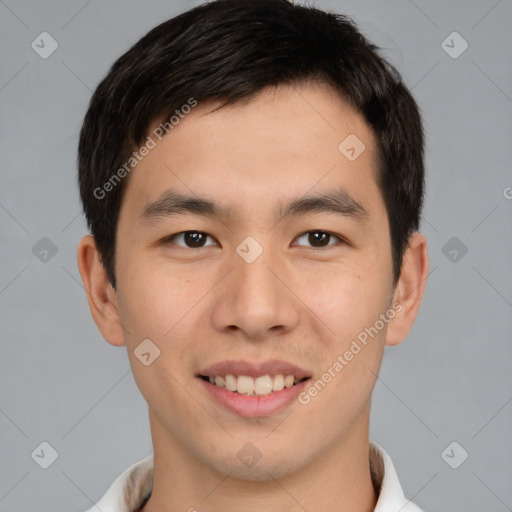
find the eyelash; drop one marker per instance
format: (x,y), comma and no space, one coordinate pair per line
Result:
(170,238)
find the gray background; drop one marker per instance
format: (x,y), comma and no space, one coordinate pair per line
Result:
(449,381)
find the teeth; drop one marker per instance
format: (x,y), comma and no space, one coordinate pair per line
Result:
(231,383)
(263,385)
(278,383)
(245,385)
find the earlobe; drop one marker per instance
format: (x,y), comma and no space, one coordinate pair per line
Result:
(409,290)
(101,296)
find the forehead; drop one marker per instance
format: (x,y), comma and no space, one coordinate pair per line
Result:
(285,142)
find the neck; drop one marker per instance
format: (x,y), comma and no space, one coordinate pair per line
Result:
(338,479)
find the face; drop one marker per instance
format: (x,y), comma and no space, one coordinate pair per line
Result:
(257,278)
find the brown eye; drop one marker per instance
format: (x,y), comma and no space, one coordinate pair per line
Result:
(190,239)
(319,239)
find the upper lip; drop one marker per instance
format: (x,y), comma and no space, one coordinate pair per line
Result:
(241,367)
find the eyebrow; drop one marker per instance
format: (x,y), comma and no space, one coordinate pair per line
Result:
(172,203)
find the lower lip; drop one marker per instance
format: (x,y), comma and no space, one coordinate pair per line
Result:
(254,406)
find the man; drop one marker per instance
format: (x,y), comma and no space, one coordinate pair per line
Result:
(252,175)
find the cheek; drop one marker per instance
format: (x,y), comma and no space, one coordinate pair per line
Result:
(153,306)
(349,303)
(346,299)
(154,298)
(169,397)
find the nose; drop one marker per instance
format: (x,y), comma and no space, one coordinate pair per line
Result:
(255,299)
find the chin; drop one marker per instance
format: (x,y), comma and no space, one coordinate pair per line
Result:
(265,465)
(260,472)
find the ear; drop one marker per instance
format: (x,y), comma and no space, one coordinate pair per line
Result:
(101,295)
(409,289)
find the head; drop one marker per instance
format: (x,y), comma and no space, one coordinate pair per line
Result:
(261,113)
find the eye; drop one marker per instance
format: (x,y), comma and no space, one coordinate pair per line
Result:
(319,239)
(191,239)
(196,239)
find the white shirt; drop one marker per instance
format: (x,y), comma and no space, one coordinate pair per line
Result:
(130,489)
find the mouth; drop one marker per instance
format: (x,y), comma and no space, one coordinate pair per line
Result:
(254,386)
(254,389)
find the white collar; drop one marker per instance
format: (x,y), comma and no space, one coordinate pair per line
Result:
(390,496)
(135,483)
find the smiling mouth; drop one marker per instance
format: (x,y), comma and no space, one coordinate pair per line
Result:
(259,386)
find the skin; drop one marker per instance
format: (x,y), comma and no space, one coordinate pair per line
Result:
(295,302)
